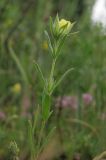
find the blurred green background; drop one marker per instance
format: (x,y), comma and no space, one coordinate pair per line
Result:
(22,40)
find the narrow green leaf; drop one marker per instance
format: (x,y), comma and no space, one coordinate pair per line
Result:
(56,24)
(62,77)
(49,41)
(73,33)
(40,72)
(50,134)
(19,65)
(31,139)
(61,43)
(36,117)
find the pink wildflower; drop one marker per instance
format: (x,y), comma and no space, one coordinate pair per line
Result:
(67,101)
(87,98)
(2,116)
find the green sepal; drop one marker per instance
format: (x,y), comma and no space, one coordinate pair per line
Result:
(51,26)
(56,27)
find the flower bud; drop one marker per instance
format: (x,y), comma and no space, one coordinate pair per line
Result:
(65,25)
(61,27)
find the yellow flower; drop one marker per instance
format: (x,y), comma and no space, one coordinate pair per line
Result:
(60,27)
(63,23)
(45,45)
(65,26)
(16,88)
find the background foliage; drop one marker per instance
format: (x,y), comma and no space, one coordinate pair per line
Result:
(79,132)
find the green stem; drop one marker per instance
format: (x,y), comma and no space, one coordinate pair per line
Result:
(52,69)
(40,138)
(31,141)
